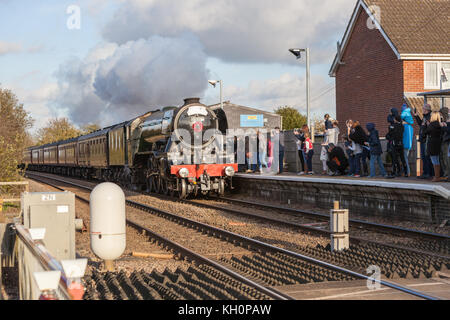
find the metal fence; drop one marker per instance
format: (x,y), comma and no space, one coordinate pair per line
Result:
(32,256)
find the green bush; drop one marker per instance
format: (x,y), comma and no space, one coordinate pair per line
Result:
(14,123)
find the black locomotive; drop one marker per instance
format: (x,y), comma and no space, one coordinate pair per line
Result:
(171,151)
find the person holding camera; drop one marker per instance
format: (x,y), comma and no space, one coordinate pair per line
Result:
(358,137)
(300,135)
(434,130)
(395,146)
(324,153)
(423,120)
(375,151)
(309,153)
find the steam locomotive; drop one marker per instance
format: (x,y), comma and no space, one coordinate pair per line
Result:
(170,151)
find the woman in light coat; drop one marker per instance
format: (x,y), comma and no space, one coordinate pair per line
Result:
(331,136)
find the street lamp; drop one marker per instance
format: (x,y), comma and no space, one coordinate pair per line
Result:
(214,83)
(298,54)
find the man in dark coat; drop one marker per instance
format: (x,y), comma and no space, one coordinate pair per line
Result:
(358,136)
(445,144)
(328,123)
(338,162)
(434,130)
(395,145)
(375,151)
(280,136)
(423,122)
(446,138)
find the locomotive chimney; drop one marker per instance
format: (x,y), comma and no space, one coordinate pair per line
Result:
(188,101)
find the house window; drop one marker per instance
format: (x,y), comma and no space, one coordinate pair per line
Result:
(446,69)
(433,73)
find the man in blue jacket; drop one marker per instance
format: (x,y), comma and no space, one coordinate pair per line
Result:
(375,151)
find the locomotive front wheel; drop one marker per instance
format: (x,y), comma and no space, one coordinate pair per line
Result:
(183,189)
(221,190)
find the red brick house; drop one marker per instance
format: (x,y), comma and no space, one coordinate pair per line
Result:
(391,50)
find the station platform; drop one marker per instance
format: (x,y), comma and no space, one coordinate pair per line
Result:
(403,198)
(358,290)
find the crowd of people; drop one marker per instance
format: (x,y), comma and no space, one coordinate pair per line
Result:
(361,146)
(262,156)
(359,152)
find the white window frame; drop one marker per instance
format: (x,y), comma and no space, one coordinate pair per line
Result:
(425,78)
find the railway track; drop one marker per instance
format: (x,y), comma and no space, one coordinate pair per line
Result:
(433,244)
(276,266)
(353,222)
(215,276)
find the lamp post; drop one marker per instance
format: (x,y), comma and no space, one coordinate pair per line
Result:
(298,54)
(214,83)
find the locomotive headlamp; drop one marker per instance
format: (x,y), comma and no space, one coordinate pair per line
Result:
(184,172)
(229,171)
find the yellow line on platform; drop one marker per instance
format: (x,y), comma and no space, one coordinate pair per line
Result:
(372,291)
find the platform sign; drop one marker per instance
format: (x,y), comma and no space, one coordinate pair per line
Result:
(252,121)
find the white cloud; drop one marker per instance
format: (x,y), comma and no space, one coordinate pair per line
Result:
(36,48)
(236,30)
(13,47)
(9,47)
(36,102)
(286,90)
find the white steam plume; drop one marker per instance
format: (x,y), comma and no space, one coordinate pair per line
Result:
(116,83)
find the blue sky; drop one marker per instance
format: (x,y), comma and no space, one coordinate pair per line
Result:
(60,72)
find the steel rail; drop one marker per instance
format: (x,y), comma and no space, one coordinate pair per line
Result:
(199,258)
(355,222)
(310,229)
(321,216)
(261,245)
(273,293)
(240,238)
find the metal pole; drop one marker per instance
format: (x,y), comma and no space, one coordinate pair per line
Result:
(221,96)
(308,87)
(109,265)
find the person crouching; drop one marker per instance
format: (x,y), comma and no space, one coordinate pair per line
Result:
(338,162)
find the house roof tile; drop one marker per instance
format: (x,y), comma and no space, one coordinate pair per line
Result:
(416,26)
